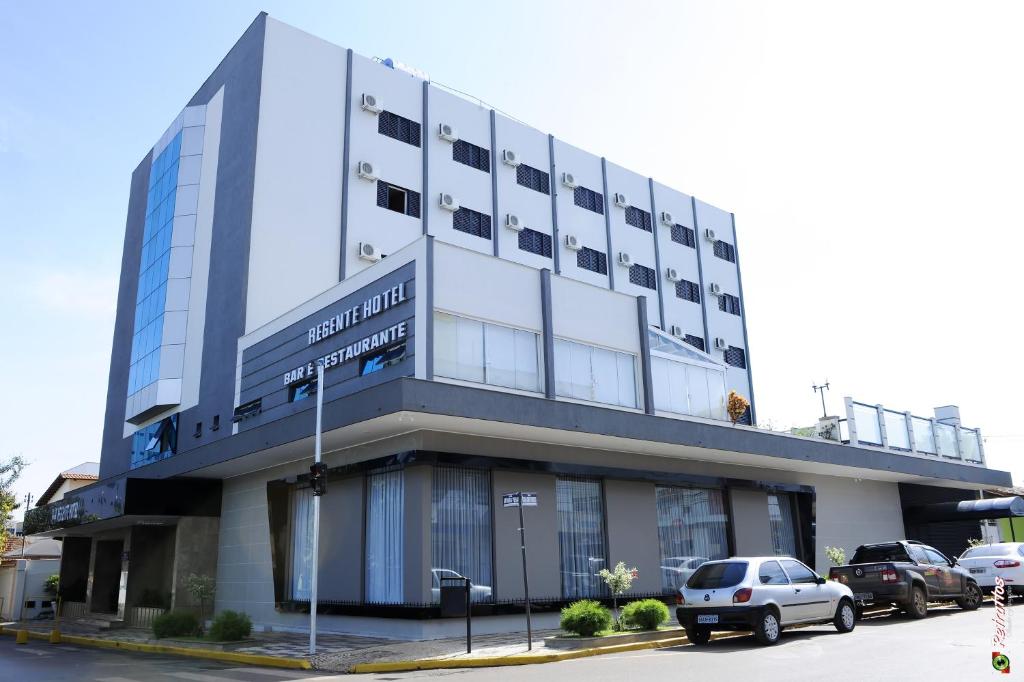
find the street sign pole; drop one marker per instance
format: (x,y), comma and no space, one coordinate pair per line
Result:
(526,581)
(316,514)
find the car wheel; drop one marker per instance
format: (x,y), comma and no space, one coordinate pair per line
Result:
(918,606)
(698,635)
(846,616)
(768,629)
(971,599)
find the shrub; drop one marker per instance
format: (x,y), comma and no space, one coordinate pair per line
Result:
(175,624)
(646,614)
(585,618)
(230,626)
(52,582)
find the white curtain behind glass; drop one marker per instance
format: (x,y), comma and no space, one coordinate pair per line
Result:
(780,517)
(594,374)
(300,565)
(470,350)
(460,527)
(384,523)
(692,528)
(581,536)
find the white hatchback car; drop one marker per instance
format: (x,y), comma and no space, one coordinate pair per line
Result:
(1003,559)
(763,594)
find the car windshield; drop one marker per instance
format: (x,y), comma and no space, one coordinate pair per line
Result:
(875,553)
(713,576)
(988,550)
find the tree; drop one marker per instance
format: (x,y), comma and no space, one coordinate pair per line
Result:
(618,581)
(202,588)
(836,555)
(9,473)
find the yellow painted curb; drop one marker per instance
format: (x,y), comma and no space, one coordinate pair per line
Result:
(55,636)
(22,637)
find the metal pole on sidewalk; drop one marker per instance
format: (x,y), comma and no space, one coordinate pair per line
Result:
(315,568)
(526,582)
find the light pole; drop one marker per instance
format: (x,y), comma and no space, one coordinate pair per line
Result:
(317,490)
(821,389)
(28,503)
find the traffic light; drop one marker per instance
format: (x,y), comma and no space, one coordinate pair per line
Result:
(318,478)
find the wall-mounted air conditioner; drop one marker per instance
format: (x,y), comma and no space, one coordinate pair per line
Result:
(625,260)
(676,330)
(372,103)
(509,157)
(672,275)
(721,344)
(715,288)
(710,235)
(571,242)
(447,132)
(513,222)
(448,202)
(368,251)
(569,180)
(366,170)
(667,218)
(621,200)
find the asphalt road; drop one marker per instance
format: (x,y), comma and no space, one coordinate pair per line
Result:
(948,645)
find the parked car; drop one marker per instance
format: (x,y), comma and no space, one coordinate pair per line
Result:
(763,594)
(907,574)
(1003,559)
(678,569)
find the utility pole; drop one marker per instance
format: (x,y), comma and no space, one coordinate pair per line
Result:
(319,486)
(821,389)
(28,504)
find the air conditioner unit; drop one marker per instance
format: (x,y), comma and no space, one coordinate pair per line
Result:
(569,180)
(571,242)
(372,103)
(676,330)
(512,222)
(446,132)
(366,170)
(448,202)
(621,200)
(368,251)
(667,218)
(509,157)
(720,343)
(715,288)
(672,275)
(710,235)
(625,259)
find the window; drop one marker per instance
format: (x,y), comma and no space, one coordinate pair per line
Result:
(594,374)
(695,341)
(588,199)
(537,180)
(638,218)
(392,355)
(688,291)
(302,390)
(798,573)
(877,553)
(470,350)
(917,553)
(643,276)
(155,442)
(692,529)
(685,388)
(471,155)
(535,242)
(592,260)
(398,199)
(736,357)
(729,304)
(385,504)
(718,576)
(683,235)
(581,535)
(771,573)
(299,565)
(472,222)
(935,558)
(460,529)
(399,128)
(780,518)
(725,251)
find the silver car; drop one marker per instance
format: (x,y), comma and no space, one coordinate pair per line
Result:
(763,594)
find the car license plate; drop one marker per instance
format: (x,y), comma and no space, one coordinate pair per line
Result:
(864,596)
(978,570)
(708,619)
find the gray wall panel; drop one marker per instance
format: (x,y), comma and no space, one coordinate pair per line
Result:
(749,515)
(341,540)
(632,519)
(541,538)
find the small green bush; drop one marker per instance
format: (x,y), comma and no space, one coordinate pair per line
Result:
(585,618)
(175,624)
(645,614)
(230,626)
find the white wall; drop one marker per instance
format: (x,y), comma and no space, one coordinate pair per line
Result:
(638,243)
(296,215)
(532,207)
(587,226)
(588,314)
(678,311)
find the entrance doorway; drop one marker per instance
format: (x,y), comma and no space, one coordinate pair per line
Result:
(106,572)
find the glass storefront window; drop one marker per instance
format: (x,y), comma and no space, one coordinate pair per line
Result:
(780,518)
(594,374)
(693,527)
(299,566)
(385,504)
(460,529)
(470,350)
(581,536)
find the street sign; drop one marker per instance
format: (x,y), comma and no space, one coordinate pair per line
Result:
(512,499)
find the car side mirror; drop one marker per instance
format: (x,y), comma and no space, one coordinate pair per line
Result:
(820,580)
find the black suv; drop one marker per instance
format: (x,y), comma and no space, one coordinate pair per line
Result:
(907,574)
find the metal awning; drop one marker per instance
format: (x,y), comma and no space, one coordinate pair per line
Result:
(968,510)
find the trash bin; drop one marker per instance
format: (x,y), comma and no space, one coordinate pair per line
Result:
(454,597)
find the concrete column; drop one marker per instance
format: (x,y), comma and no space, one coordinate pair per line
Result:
(341,541)
(543,561)
(751,528)
(632,519)
(92,575)
(194,552)
(416,576)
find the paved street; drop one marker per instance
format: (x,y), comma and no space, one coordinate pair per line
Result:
(949,644)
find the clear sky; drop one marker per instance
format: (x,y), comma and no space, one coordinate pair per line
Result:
(872,153)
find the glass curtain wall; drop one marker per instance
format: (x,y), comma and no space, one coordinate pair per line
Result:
(460,529)
(486,353)
(693,527)
(581,536)
(300,563)
(780,516)
(385,495)
(594,374)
